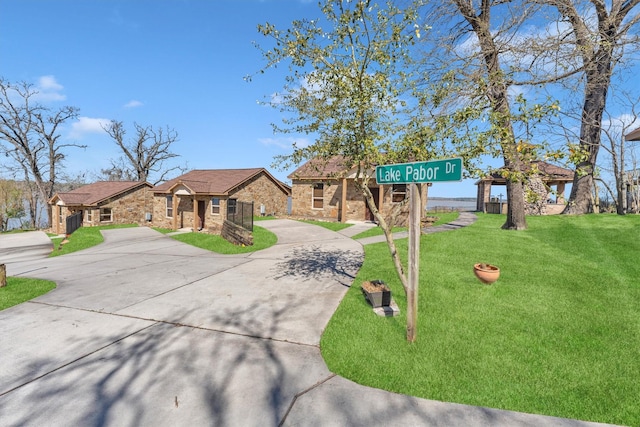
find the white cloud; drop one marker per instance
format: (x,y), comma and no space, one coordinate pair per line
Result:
(49,83)
(49,90)
(133,104)
(285,143)
(87,125)
(622,123)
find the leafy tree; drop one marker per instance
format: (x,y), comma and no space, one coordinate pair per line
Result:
(351,85)
(144,156)
(473,69)
(30,139)
(11,202)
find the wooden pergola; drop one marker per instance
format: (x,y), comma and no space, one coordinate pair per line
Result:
(551,175)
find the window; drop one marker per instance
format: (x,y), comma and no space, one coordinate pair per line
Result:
(106,215)
(231,206)
(318,196)
(215,206)
(89,216)
(59,214)
(398,193)
(169,207)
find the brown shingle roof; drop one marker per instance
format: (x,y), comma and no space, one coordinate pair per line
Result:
(216,181)
(92,194)
(633,135)
(320,168)
(548,171)
(554,171)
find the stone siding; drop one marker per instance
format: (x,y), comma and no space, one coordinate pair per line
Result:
(126,208)
(355,206)
(260,190)
(302,199)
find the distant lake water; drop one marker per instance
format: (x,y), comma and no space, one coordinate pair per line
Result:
(460,204)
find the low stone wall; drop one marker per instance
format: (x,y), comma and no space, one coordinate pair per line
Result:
(236,234)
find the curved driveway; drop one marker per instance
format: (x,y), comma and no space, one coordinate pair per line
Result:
(145,330)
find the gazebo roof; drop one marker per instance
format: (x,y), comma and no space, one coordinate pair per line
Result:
(633,135)
(549,174)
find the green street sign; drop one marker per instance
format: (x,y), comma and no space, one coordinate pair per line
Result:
(420,172)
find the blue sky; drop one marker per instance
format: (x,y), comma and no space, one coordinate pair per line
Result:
(176,63)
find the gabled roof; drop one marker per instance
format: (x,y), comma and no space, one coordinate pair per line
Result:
(318,168)
(216,182)
(548,171)
(93,194)
(633,135)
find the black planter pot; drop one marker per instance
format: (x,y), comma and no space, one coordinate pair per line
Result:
(379,298)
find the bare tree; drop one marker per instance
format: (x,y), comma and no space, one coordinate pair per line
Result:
(598,38)
(144,155)
(30,136)
(614,144)
(633,179)
(472,68)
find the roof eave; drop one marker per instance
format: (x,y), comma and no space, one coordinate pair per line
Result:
(633,135)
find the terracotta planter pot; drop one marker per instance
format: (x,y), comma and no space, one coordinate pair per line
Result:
(486,273)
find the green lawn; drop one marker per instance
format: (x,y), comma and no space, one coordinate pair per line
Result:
(329,225)
(163,230)
(19,290)
(443,218)
(83,238)
(262,239)
(558,334)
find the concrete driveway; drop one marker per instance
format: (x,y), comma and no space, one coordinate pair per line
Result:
(31,245)
(145,330)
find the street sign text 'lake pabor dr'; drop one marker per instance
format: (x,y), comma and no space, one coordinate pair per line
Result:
(420,172)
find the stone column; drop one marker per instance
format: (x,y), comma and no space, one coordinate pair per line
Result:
(196,218)
(560,190)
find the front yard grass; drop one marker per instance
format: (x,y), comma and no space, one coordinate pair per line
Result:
(558,334)
(443,218)
(20,289)
(329,225)
(262,239)
(83,238)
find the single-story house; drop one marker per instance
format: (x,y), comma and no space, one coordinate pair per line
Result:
(326,189)
(550,202)
(102,203)
(200,199)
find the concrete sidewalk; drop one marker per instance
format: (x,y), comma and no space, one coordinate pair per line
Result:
(463,220)
(144,330)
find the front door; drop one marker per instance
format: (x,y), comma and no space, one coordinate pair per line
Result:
(369,214)
(201,207)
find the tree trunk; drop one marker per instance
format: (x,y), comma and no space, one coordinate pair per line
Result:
(516,219)
(3,275)
(388,234)
(497,94)
(580,198)
(598,79)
